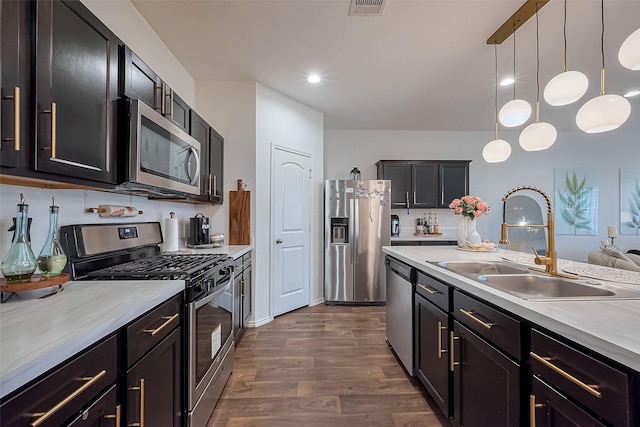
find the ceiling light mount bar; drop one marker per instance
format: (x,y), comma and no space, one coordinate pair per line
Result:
(526,11)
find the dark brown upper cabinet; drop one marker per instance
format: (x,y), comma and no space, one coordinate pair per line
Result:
(15,90)
(211,161)
(425,183)
(76,72)
(138,80)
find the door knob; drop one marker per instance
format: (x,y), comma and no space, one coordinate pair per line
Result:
(278,241)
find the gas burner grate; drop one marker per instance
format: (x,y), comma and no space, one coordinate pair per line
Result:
(162,266)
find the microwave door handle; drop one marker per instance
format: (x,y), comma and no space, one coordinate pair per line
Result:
(194,178)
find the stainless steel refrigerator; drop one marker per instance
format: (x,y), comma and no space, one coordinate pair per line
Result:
(357,224)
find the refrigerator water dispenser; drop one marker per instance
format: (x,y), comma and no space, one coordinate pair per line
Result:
(339,230)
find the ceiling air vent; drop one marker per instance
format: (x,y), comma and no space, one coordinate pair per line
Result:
(366,7)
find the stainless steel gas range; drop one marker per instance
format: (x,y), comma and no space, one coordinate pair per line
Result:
(131,251)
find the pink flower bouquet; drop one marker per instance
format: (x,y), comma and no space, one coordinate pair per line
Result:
(469,206)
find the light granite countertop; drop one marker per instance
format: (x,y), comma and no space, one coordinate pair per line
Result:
(608,326)
(38,334)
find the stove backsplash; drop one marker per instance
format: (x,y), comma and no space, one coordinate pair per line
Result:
(72,205)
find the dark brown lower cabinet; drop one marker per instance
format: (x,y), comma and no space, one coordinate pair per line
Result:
(486,383)
(154,386)
(65,392)
(549,408)
(432,358)
(102,413)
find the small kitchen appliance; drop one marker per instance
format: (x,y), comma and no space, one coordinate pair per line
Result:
(131,251)
(198,231)
(395,226)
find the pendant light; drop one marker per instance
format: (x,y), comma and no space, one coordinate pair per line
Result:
(568,86)
(605,112)
(517,111)
(497,150)
(539,135)
(629,53)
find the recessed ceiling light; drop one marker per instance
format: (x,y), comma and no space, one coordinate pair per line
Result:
(314,78)
(507,82)
(632,93)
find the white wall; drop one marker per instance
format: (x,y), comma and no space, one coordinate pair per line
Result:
(251,118)
(288,123)
(230,108)
(73,204)
(126,22)
(605,152)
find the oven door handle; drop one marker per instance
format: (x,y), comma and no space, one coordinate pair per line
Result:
(206,300)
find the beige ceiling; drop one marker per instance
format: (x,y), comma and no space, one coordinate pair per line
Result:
(422,65)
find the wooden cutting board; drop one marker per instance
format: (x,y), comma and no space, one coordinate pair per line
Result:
(240,216)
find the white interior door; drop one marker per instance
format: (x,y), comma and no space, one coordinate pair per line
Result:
(290,213)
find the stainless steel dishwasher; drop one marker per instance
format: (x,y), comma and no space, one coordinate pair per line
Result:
(400,310)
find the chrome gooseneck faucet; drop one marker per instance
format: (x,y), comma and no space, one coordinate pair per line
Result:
(550,259)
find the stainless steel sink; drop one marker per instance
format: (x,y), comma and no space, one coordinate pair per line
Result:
(476,268)
(544,288)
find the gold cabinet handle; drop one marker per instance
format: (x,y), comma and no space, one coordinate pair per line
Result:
(452,359)
(162,96)
(440,350)
(532,409)
(414,197)
(54,119)
(141,389)
(116,416)
(472,313)
(168,319)
(429,289)
(210,184)
(592,389)
(16,118)
(89,382)
(171,101)
(215,186)
(407,199)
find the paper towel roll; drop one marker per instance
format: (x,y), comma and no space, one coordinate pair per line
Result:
(170,234)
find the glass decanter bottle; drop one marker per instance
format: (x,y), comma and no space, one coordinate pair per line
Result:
(52,259)
(19,263)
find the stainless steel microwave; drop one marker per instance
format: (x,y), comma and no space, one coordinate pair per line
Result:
(162,159)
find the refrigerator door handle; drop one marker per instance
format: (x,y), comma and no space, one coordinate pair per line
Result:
(356,230)
(352,233)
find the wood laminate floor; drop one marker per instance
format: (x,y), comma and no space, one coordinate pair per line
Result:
(322,366)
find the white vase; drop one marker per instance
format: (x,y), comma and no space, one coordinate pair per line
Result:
(467,234)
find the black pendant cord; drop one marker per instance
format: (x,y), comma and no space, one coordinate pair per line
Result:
(514,62)
(602,36)
(495,54)
(564,33)
(537,58)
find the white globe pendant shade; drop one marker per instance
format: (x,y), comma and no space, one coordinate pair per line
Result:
(603,113)
(514,113)
(538,136)
(496,151)
(566,88)
(629,53)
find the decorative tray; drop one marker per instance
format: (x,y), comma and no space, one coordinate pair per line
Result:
(607,274)
(524,258)
(37,282)
(478,249)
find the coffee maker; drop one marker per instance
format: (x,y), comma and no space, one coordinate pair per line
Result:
(395,225)
(198,231)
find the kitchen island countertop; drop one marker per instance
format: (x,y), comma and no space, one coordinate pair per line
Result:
(608,326)
(39,334)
